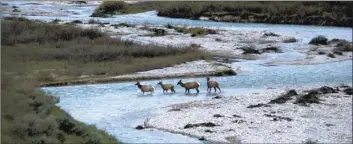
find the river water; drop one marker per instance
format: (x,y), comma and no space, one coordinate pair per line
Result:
(119,107)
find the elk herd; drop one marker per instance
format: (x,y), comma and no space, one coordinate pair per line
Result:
(187,85)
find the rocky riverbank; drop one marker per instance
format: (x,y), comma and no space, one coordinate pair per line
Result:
(294,115)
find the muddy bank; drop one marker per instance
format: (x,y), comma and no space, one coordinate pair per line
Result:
(321,114)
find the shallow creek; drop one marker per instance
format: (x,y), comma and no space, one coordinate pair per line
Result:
(119,107)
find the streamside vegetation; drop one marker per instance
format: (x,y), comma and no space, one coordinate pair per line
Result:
(50,52)
(28,115)
(34,52)
(299,12)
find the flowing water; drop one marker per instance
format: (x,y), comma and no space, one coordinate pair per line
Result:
(119,107)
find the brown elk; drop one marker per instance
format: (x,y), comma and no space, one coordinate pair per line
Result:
(190,85)
(212,84)
(167,87)
(145,88)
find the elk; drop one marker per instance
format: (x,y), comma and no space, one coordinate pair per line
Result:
(166,87)
(212,84)
(145,88)
(190,85)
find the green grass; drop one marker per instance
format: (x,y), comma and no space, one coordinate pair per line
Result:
(299,12)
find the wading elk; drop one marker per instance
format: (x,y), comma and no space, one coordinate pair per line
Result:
(167,87)
(190,85)
(212,84)
(145,88)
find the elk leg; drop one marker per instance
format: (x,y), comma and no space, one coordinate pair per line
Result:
(197,89)
(219,89)
(214,89)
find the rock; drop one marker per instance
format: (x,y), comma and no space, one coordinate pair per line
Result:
(208,131)
(206,124)
(324,90)
(238,121)
(290,40)
(337,52)
(159,32)
(284,98)
(174,109)
(15,7)
(311,97)
(258,105)
(234,115)
(343,46)
(348,91)
(202,138)
(271,49)
(270,34)
(319,40)
(277,118)
(329,125)
(217,115)
(139,127)
(16,10)
(331,55)
(211,31)
(217,97)
(77,21)
(249,50)
(321,52)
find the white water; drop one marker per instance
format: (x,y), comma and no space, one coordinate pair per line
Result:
(119,107)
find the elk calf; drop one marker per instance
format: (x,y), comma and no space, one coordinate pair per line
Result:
(190,85)
(145,88)
(166,87)
(212,84)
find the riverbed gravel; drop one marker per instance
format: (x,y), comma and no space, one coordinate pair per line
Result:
(328,122)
